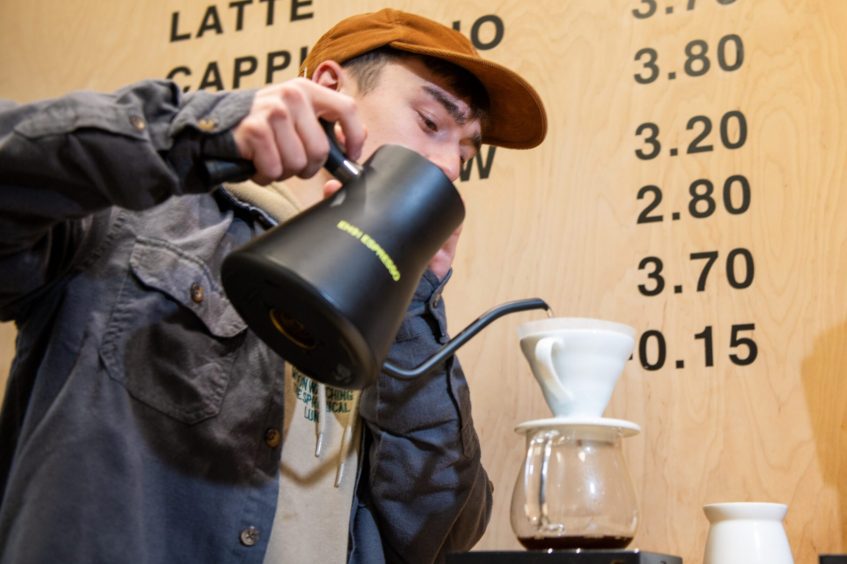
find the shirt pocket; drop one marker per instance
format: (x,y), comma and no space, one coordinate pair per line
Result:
(173,335)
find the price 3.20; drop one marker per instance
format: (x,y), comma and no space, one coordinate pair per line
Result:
(732,135)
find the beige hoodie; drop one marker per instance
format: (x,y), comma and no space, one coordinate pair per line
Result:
(321,440)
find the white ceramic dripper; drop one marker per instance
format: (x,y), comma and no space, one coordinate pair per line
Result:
(577,361)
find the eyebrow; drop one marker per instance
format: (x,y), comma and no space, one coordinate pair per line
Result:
(453,109)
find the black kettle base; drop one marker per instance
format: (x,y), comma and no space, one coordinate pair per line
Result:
(297,322)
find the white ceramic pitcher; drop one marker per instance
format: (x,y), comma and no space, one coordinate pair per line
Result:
(746,533)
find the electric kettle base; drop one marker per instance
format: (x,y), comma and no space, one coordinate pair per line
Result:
(298,322)
(581,556)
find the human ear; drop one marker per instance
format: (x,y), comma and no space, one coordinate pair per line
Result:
(331,75)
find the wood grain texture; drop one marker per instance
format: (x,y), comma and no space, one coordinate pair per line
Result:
(559,222)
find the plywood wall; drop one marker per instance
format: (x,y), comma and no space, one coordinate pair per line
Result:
(692,185)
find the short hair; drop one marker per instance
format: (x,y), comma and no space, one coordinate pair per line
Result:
(366,69)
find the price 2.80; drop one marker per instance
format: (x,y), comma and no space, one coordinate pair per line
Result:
(742,349)
(734,199)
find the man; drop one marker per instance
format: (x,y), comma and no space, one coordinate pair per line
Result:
(143,422)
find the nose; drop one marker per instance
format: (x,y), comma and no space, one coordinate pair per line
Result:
(448,160)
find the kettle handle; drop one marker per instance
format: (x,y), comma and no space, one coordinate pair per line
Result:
(463,336)
(217,171)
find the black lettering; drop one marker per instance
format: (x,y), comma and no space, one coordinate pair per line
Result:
(239,12)
(277,61)
(180,70)
(498,32)
(211,21)
(304,52)
(484,169)
(175,36)
(457,25)
(269,20)
(212,77)
(244,66)
(295,10)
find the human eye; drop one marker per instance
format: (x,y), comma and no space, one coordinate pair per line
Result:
(427,122)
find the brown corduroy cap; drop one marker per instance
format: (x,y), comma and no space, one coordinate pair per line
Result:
(516,115)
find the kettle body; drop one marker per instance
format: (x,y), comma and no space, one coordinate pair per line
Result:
(328,289)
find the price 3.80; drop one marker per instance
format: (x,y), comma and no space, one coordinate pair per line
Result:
(729,57)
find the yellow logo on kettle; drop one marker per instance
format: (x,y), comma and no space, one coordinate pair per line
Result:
(373,246)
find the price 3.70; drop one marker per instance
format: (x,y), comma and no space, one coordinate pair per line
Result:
(740,271)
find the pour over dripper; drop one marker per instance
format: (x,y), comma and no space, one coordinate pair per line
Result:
(577,361)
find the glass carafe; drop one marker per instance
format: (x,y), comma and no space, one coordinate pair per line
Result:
(574,489)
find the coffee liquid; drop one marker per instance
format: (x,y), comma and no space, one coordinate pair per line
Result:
(571,542)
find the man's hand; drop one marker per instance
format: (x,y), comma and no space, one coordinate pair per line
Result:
(282,135)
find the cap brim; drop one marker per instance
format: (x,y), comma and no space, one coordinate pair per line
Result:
(518,119)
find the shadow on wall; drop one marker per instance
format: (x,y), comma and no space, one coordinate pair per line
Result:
(826,394)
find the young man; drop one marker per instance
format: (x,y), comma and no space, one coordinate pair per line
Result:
(143,422)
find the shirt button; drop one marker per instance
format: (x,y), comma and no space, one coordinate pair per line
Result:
(137,122)
(273,437)
(436,299)
(249,536)
(197,293)
(206,124)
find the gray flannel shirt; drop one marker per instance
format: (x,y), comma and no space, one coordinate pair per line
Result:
(138,420)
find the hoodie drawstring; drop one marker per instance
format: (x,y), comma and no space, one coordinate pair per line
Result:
(348,435)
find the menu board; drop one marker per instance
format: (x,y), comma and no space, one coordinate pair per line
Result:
(691,186)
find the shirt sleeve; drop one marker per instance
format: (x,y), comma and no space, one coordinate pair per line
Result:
(63,160)
(429,491)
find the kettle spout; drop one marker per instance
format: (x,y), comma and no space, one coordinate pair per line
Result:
(464,335)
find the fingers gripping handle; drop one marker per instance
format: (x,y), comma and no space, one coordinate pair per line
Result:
(216,171)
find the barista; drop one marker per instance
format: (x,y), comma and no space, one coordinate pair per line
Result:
(143,422)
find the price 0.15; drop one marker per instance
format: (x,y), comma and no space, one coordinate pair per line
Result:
(743,351)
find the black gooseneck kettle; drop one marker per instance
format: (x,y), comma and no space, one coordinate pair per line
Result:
(328,289)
